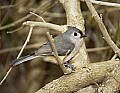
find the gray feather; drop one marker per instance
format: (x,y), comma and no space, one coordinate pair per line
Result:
(22,60)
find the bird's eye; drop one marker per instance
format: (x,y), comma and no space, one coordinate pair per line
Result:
(75,34)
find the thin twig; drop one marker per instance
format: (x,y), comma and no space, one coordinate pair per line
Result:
(51,40)
(5,76)
(113,58)
(27,40)
(10,32)
(105,3)
(38,16)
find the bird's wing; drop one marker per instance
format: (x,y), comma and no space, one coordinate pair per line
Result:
(63,45)
(73,52)
(44,50)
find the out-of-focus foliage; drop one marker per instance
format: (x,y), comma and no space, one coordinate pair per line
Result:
(30,76)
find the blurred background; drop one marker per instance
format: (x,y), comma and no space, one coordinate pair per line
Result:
(30,76)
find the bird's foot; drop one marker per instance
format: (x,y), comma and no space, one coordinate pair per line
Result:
(68,65)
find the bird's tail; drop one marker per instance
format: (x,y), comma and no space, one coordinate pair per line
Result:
(23,59)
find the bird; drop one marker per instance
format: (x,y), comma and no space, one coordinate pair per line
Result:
(71,41)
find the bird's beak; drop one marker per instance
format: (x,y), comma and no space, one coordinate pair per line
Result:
(83,36)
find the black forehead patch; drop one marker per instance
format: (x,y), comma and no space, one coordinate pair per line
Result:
(70,28)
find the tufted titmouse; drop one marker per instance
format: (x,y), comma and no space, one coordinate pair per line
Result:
(71,40)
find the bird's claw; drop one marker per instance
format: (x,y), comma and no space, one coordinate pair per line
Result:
(69,65)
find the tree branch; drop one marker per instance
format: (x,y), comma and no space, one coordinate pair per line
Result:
(62,28)
(80,78)
(102,27)
(112,82)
